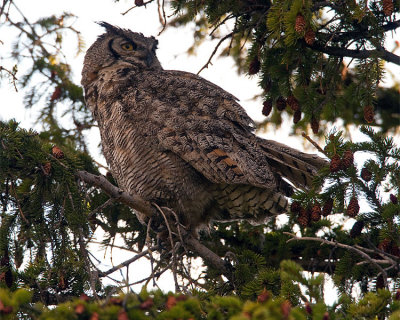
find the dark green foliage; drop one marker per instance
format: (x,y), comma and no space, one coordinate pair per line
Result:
(316,73)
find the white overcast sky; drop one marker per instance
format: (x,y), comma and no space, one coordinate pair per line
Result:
(173,44)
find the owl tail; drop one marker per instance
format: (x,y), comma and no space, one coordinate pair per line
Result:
(247,202)
(298,167)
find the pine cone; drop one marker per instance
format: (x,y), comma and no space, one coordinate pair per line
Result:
(263,296)
(300,24)
(353,208)
(327,208)
(281,103)
(335,163)
(293,103)
(304,217)
(397,297)
(308,308)
(139,3)
(369,114)
(47,168)
(316,212)
(394,199)
(326,316)
(366,175)
(56,94)
(267,107)
(57,152)
(385,245)
(356,229)
(147,304)
(254,66)
(297,116)
(348,159)
(295,206)
(395,250)
(388,7)
(309,37)
(380,284)
(314,125)
(285,308)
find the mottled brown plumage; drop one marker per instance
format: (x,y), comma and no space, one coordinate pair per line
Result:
(181,141)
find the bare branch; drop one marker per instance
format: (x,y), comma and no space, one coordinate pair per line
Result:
(127,262)
(132,200)
(215,50)
(341,245)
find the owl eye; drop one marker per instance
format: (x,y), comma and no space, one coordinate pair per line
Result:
(127,46)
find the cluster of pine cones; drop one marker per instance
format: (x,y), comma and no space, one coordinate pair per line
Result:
(311,214)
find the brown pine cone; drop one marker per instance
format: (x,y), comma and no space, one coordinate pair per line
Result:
(366,175)
(395,250)
(369,114)
(297,116)
(356,229)
(139,3)
(304,218)
(348,159)
(293,103)
(385,245)
(56,94)
(309,37)
(316,212)
(308,308)
(388,7)
(353,208)
(300,24)
(57,152)
(327,208)
(380,284)
(326,316)
(254,66)
(47,168)
(397,297)
(281,103)
(314,125)
(263,296)
(394,199)
(335,163)
(295,206)
(267,107)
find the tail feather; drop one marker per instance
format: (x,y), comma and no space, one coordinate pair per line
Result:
(298,167)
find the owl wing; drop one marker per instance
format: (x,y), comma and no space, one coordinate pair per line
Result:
(206,127)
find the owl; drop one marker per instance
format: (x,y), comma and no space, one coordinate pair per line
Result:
(182,142)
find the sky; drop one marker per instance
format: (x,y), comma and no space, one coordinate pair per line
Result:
(173,44)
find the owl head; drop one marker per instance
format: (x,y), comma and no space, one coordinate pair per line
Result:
(118,45)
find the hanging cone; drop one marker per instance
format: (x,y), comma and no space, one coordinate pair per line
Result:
(309,37)
(300,24)
(369,114)
(267,107)
(353,208)
(388,7)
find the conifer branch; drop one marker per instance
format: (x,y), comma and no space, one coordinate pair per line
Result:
(358,54)
(344,246)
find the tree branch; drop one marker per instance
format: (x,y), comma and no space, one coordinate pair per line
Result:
(132,200)
(341,245)
(359,54)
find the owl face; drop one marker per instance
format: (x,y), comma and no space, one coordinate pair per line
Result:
(119,45)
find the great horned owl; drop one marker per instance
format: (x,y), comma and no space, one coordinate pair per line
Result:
(181,141)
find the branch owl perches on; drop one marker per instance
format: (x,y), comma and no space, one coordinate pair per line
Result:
(180,141)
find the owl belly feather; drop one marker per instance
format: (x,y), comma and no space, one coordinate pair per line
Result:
(160,176)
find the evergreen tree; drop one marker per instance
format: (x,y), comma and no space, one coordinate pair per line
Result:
(318,61)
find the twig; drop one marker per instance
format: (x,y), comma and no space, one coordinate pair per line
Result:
(161,15)
(172,247)
(127,262)
(314,143)
(341,245)
(215,50)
